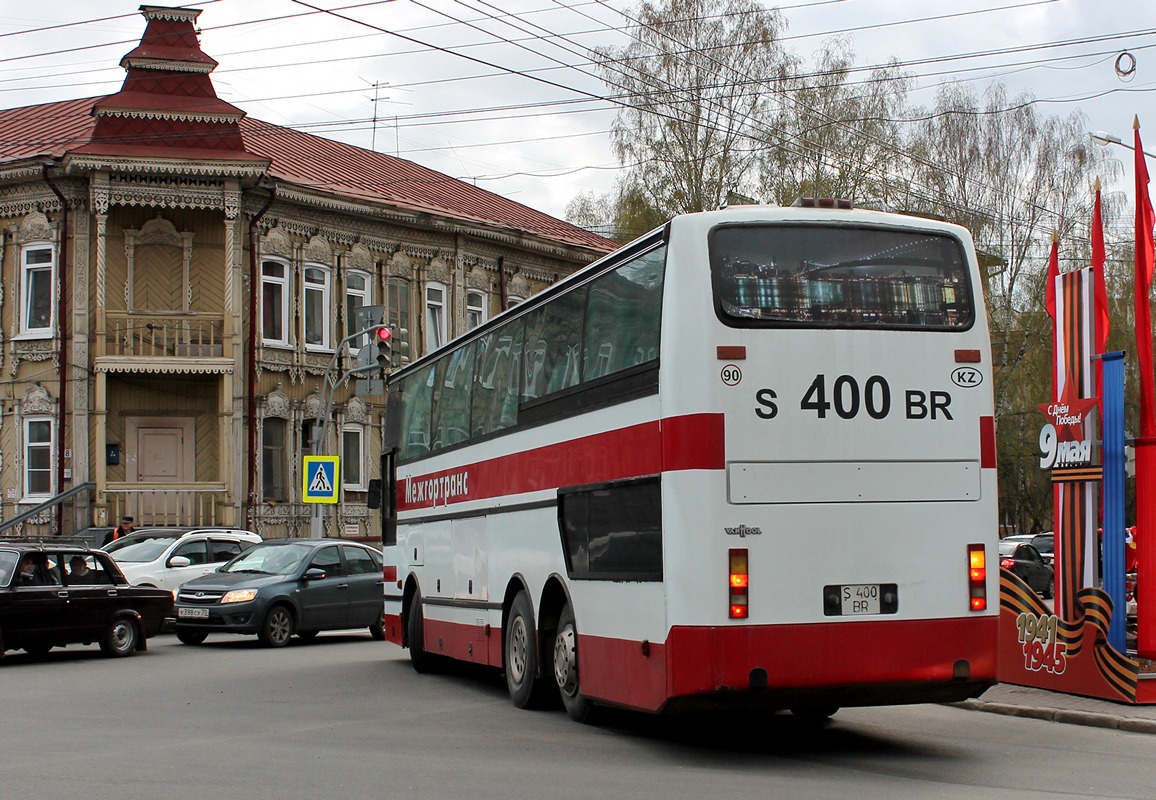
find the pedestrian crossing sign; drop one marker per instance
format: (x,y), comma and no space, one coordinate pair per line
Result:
(321,474)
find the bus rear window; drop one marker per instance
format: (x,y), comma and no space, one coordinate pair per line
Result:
(839,276)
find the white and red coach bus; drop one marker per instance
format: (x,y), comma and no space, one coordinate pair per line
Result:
(748,459)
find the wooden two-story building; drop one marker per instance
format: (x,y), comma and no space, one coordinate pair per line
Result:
(176,282)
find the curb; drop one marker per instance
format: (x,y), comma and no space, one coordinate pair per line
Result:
(1087,718)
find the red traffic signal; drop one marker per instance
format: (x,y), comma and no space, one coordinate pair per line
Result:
(384,334)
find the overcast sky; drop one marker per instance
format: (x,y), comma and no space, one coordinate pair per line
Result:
(544,139)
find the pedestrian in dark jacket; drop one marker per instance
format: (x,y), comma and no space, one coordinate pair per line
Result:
(123,529)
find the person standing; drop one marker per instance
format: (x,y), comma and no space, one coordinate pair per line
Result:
(123,529)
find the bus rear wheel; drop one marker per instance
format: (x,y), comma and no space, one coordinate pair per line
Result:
(521,645)
(422,661)
(565,663)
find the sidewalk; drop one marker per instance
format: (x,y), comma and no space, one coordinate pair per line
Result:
(1025,701)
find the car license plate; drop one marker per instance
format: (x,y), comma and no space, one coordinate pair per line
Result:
(193,613)
(860,599)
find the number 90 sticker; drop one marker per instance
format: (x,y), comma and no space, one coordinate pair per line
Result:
(731,375)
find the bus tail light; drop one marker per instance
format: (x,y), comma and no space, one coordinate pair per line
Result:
(739,583)
(977,577)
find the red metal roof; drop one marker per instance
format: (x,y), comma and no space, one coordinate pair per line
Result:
(56,129)
(168,108)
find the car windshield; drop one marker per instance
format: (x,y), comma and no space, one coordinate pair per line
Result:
(270,559)
(1045,544)
(1006,547)
(8,561)
(146,548)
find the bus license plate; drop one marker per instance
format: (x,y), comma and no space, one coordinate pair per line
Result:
(193,613)
(860,598)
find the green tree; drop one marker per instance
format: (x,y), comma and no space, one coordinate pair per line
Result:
(693,84)
(836,139)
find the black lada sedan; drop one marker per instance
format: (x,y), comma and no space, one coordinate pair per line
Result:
(57,595)
(282,587)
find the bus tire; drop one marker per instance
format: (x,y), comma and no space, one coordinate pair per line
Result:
(564,663)
(521,650)
(423,662)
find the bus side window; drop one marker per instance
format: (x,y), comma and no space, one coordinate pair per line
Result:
(623,314)
(494,404)
(551,351)
(417,391)
(453,405)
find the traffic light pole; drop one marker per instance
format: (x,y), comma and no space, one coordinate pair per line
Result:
(325,411)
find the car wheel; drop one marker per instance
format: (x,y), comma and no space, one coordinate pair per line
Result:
(422,661)
(191,637)
(277,629)
(121,638)
(564,663)
(1050,588)
(521,662)
(377,629)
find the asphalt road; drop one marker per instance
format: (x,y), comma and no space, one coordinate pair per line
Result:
(346,717)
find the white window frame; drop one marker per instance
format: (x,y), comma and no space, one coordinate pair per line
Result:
(27,329)
(364,297)
(361,484)
(325,288)
(435,317)
(476,308)
(514,300)
(282,283)
(26,447)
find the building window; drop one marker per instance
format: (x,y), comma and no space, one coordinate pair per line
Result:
(353,459)
(316,308)
(397,316)
(513,300)
(358,293)
(274,462)
(37,277)
(475,309)
(274,303)
(38,445)
(435,316)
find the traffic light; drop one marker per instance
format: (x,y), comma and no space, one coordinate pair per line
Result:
(384,348)
(403,345)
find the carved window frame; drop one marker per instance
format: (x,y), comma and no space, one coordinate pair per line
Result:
(26,329)
(27,447)
(282,284)
(323,287)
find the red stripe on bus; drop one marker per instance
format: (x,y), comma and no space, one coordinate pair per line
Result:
(987,455)
(694,441)
(389,573)
(918,654)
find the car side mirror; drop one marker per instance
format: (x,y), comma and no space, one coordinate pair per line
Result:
(179,561)
(314,574)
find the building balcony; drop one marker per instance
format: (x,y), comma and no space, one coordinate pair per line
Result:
(165,335)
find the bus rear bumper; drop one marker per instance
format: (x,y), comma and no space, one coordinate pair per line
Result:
(866,662)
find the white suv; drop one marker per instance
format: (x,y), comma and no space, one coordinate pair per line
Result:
(167,557)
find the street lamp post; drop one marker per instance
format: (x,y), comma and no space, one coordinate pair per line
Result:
(1104,139)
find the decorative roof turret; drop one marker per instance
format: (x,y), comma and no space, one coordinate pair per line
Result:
(167,106)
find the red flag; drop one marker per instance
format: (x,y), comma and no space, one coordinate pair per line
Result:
(1144,256)
(1103,324)
(1146,443)
(1050,305)
(1100,289)
(1053,273)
